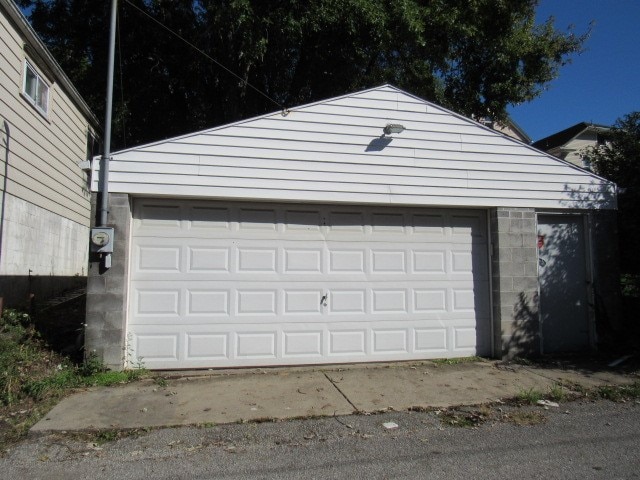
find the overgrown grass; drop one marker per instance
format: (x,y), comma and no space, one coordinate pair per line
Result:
(622,393)
(530,396)
(33,377)
(556,392)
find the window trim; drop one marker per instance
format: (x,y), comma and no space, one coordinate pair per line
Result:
(40,80)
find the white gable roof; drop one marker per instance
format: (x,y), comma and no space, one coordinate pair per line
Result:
(335,151)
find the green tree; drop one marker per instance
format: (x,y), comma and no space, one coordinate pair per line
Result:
(619,160)
(473,56)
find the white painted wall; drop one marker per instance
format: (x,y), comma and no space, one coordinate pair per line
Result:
(334,151)
(37,240)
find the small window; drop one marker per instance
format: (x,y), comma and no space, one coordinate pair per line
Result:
(36,89)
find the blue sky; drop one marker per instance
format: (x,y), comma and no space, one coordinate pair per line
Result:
(601,84)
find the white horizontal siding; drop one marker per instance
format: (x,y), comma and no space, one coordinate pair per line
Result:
(253,158)
(334,151)
(349,185)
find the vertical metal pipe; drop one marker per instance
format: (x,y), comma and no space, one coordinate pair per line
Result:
(104,171)
(7,146)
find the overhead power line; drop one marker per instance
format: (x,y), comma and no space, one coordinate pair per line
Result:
(245,82)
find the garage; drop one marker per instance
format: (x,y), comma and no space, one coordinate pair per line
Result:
(216,284)
(374,226)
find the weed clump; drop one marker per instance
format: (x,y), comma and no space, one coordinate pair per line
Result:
(33,376)
(621,393)
(530,396)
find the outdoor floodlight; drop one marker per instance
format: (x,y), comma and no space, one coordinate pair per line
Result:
(393,128)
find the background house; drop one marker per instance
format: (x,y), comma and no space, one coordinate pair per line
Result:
(375,226)
(570,143)
(46,129)
(510,128)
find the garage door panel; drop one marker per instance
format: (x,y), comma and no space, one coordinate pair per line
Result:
(347,342)
(303,344)
(198,345)
(256,260)
(432,340)
(215,284)
(251,302)
(256,345)
(207,346)
(211,302)
(213,263)
(390,341)
(207,259)
(207,217)
(303,301)
(156,348)
(157,302)
(161,216)
(303,259)
(158,258)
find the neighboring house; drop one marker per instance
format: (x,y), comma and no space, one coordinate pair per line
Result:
(570,144)
(507,127)
(512,129)
(375,226)
(46,129)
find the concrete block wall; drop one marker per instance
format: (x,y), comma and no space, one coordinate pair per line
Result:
(515,282)
(107,290)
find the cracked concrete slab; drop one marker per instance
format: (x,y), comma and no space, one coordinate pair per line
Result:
(432,385)
(186,401)
(218,397)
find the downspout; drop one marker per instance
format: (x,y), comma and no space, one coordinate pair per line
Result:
(4,185)
(106,156)
(7,131)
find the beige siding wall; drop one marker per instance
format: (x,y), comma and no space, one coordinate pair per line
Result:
(45,216)
(578,145)
(510,132)
(44,152)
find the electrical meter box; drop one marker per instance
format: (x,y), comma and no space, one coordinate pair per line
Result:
(102,239)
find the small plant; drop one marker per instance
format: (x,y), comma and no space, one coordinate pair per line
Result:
(530,396)
(92,365)
(557,393)
(104,436)
(160,381)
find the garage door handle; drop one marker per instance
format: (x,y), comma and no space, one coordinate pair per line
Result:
(323,300)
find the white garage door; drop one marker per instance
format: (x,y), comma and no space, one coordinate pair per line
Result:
(238,284)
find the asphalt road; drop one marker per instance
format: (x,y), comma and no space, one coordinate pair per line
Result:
(578,440)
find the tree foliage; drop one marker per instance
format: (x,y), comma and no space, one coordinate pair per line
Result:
(473,56)
(619,161)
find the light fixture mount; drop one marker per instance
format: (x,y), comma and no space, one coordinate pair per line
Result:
(393,128)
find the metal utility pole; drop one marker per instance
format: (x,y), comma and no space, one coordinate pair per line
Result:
(102,236)
(104,171)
